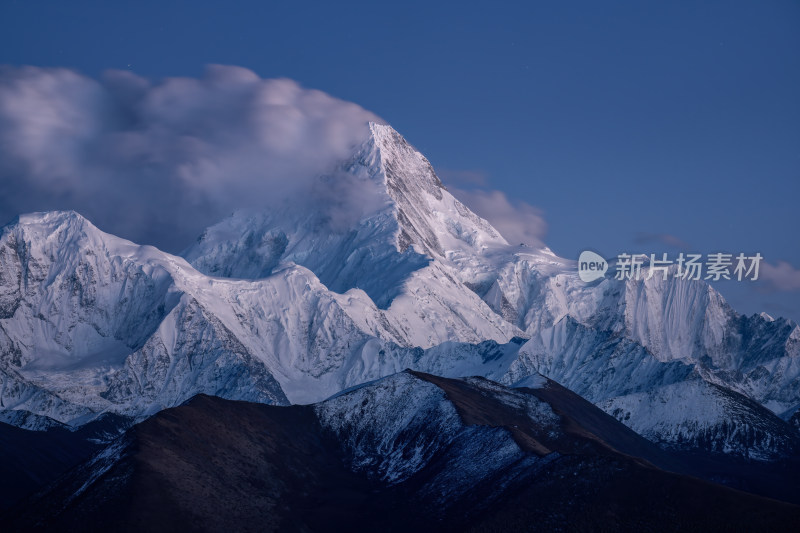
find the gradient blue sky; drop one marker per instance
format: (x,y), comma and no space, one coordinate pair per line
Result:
(628,123)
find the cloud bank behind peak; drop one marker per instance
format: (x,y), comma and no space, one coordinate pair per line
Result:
(158,162)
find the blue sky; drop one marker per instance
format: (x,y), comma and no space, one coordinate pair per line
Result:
(631,125)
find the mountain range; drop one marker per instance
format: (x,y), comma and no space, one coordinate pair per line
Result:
(383,283)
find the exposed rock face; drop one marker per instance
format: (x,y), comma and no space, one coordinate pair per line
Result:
(411,451)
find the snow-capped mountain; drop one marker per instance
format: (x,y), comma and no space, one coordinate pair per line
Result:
(658,353)
(294,304)
(396,256)
(99,324)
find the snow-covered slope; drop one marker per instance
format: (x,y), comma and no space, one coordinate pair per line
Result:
(291,305)
(87,307)
(666,401)
(99,324)
(409,219)
(674,320)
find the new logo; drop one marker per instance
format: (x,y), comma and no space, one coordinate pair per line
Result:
(591,266)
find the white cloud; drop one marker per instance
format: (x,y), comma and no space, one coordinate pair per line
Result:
(517,221)
(783,276)
(157,162)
